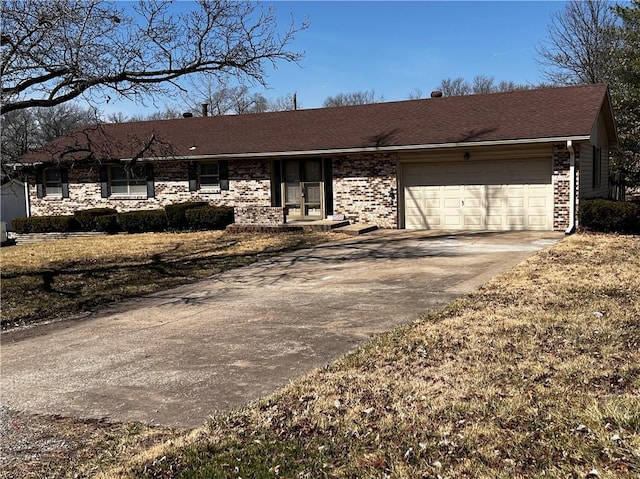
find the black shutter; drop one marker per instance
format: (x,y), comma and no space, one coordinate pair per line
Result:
(223,171)
(151,188)
(104,182)
(39,183)
(276,183)
(193,176)
(64,179)
(327,177)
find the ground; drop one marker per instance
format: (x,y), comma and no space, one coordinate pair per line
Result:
(535,374)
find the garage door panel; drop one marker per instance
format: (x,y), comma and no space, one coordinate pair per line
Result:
(473,222)
(537,221)
(452,221)
(497,195)
(494,220)
(537,202)
(495,203)
(515,220)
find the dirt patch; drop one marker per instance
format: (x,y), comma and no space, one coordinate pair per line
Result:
(48,446)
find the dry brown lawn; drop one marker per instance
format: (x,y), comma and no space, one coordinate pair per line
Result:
(52,280)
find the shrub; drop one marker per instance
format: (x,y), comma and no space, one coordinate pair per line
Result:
(609,216)
(88,218)
(107,223)
(209,217)
(142,221)
(45,224)
(176,218)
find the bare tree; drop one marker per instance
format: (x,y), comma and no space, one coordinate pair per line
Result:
(54,51)
(481,84)
(580,43)
(119,117)
(23,130)
(416,94)
(454,87)
(284,103)
(222,97)
(355,98)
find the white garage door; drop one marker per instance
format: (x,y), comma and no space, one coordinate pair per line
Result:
(491,195)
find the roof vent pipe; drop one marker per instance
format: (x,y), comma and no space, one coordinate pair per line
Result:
(187,114)
(205,109)
(436,94)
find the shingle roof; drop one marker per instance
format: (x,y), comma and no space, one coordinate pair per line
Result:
(527,114)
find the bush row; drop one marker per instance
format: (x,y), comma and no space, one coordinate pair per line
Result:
(183,216)
(609,216)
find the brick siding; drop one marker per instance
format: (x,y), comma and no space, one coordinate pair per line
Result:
(249,184)
(561,180)
(259,215)
(365,188)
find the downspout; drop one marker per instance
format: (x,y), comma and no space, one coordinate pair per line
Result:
(572,189)
(27,199)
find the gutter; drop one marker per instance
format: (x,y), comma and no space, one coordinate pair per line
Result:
(572,189)
(367,149)
(346,151)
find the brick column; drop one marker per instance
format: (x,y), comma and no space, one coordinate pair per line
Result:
(561,187)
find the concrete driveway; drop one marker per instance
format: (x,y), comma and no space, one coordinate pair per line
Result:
(175,357)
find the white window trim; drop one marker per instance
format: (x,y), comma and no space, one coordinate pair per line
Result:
(128,194)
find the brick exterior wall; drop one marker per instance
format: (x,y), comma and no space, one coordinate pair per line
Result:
(562,187)
(259,215)
(365,188)
(249,185)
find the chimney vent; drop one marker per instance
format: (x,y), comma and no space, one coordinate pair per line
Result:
(205,109)
(187,114)
(436,94)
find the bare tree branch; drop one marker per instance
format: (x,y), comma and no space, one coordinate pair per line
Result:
(354,98)
(580,43)
(54,51)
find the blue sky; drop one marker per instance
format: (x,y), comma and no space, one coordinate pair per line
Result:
(396,47)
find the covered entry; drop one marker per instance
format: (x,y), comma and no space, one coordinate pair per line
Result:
(303,187)
(503,195)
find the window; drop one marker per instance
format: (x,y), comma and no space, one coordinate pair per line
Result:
(212,176)
(130,181)
(53,182)
(209,176)
(597,167)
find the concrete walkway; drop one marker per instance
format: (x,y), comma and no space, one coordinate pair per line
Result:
(175,357)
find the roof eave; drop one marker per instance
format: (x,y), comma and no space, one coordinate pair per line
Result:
(371,149)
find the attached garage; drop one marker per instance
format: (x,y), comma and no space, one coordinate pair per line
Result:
(502,195)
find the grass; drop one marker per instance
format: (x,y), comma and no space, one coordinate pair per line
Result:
(52,280)
(535,375)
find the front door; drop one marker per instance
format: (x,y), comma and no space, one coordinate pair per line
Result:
(303,189)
